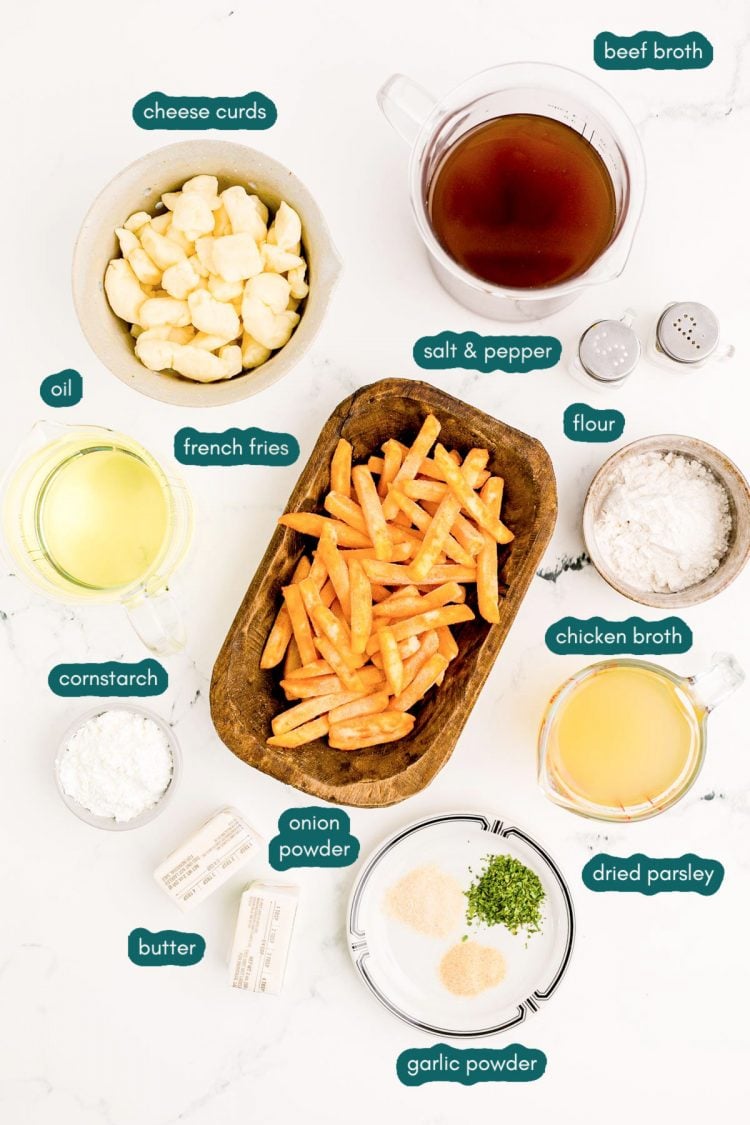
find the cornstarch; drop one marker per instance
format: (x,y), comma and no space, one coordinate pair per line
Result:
(118,764)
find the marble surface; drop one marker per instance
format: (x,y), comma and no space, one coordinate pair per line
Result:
(651,1018)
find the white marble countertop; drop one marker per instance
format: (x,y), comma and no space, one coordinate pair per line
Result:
(652,1012)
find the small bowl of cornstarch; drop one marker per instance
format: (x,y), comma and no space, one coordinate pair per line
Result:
(116,767)
(667,521)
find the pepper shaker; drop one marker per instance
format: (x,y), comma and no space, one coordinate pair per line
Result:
(687,334)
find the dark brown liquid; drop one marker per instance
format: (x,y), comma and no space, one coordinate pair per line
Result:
(523,201)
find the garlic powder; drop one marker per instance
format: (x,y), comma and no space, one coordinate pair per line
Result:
(665,522)
(117,764)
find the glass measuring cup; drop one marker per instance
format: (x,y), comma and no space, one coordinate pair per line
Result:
(432,127)
(89,516)
(628,748)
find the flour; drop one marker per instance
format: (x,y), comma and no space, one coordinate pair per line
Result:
(665,523)
(118,764)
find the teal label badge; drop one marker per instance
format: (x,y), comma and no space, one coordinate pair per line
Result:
(313,837)
(639,874)
(64,388)
(167,947)
(595,636)
(442,1063)
(650,50)
(235,447)
(149,677)
(162,111)
(582,422)
(472,352)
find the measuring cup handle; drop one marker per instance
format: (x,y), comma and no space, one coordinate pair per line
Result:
(405,105)
(158,622)
(720,681)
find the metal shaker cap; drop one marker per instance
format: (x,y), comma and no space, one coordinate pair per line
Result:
(609,351)
(687,332)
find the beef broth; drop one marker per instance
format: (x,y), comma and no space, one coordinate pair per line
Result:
(523,201)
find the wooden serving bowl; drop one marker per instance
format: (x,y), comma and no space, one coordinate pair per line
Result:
(244,698)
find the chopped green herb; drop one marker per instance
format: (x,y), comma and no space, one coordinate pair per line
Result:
(506,893)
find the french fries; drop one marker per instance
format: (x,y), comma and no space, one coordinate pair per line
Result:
(441,523)
(428,646)
(338,664)
(281,630)
(370,730)
(393,665)
(410,537)
(468,499)
(420,603)
(310,709)
(360,602)
(411,463)
(425,523)
(310,524)
(421,683)
(300,736)
(341,469)
(367,705)
(300,623)
(345,509)
(394,574)
(374,515)
(292,660)
(432,619)
(491,495)
(406,648)
(392,458)
(338,571)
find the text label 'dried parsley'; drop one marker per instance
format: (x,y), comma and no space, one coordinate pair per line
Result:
(506,893)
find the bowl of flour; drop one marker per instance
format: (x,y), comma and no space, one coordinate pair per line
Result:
(117,767)
(667,521)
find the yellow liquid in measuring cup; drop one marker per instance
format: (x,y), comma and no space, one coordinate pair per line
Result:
(623,737)
(102,518)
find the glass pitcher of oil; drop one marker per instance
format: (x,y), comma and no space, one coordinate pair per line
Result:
(624,740)
(90,516)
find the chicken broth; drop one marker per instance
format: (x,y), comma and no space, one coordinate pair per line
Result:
(523,201)
(623,737)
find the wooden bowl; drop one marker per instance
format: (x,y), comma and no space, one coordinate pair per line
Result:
(244,699)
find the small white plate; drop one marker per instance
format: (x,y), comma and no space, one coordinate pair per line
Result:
(400,966)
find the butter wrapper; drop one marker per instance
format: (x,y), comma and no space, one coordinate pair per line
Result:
(262,937)
(208,858)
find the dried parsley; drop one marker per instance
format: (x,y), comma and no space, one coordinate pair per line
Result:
(506,893)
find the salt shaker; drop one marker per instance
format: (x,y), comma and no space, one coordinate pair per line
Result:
(608,353)
(687,334)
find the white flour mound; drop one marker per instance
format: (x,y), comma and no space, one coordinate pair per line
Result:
(665,523)
(118,764)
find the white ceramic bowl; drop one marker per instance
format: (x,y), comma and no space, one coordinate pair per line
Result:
(139,188)
(108,822)
(725,471)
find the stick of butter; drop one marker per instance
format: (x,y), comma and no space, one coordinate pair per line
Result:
(211,856)
(262,937)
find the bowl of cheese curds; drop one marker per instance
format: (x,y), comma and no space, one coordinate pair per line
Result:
(202,273)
